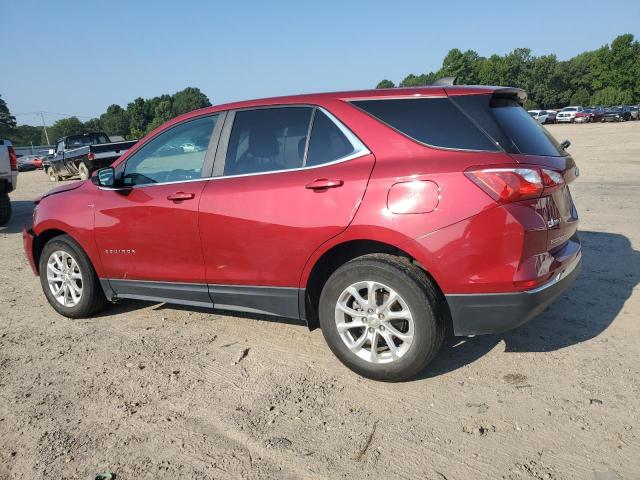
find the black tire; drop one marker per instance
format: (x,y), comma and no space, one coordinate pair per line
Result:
(52,175)
(5,209)
(83,171)
(420,296)
(92,298)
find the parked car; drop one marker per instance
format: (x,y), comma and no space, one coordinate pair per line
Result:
(627,112)
(29,162)
(635,112)
(543,116)
(588,115)
(568,114)
(380,216)
(80,155)
(8,179)
(615,114)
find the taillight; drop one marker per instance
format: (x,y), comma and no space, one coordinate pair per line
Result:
(91,156)
(511,184)
(13,159)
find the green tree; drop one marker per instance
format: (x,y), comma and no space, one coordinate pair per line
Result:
(385,84)
(139,115)
(607,73)
(64,127)
(463,66)
(580,97)
(611,96)
(25,135)
(92,125)
(188,100)
(7,121)
(115,121)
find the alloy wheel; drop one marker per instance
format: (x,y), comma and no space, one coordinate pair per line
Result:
(374,322)
(64,278)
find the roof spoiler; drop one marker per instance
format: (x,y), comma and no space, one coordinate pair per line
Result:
(443,82)
(517,94)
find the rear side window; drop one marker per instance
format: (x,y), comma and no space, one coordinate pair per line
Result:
(433,121)
(508,124)
(327,142)
(267,139)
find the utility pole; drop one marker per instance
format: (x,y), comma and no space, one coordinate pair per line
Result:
(44,125)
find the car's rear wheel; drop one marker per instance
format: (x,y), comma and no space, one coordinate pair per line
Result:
(52,175)
(5,209)
(83,171)
(381,316)
(68,279)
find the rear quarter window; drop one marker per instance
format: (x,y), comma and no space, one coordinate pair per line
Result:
(435,122)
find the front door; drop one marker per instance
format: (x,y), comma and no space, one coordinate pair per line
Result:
(148,235)
(292,178)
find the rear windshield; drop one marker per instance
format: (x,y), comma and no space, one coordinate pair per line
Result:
(432,121)
(509,125)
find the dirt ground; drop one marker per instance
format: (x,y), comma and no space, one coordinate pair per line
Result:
(157,391)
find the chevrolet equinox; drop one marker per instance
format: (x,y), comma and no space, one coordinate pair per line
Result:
(381,216)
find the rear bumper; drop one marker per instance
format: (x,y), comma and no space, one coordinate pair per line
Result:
(27,241)
(477,314)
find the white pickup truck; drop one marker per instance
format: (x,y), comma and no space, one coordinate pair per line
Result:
(568,114)
(8,179)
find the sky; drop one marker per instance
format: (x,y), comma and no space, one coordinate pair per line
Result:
(78,57)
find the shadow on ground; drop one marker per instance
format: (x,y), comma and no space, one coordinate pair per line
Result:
(610,271)
(21,215)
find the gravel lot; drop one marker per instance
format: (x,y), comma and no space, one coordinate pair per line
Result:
(158,391)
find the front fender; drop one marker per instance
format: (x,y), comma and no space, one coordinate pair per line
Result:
(71,213)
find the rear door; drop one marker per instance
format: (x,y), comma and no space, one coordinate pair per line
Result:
(286,179)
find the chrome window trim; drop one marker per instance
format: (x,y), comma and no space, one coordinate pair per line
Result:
(359,148)
(340,160)
(145,185)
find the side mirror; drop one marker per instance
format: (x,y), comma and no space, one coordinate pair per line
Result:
(566,144)
(105,177)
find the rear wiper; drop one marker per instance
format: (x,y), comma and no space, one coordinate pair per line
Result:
(566,144)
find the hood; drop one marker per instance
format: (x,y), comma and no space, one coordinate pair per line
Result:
(60,189)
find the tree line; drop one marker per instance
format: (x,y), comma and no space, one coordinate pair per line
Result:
(137,119)
(607,76)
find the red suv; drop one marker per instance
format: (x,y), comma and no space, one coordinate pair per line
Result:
(381,216)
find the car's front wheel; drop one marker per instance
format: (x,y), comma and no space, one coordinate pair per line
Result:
(68,279)
(381,316)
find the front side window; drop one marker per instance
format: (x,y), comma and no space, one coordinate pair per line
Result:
(173,156)
(267,140)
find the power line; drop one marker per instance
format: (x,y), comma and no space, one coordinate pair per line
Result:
(40,112)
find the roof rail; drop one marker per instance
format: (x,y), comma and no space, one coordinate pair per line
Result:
(443,82)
